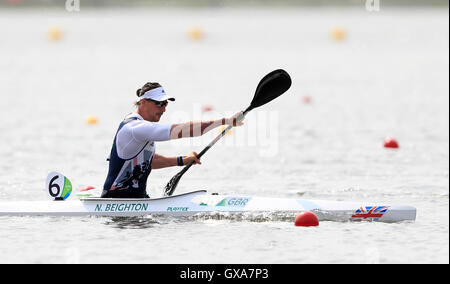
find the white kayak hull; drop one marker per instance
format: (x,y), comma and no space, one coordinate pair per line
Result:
(199,202)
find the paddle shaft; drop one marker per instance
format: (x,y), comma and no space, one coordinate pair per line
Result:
(270,87)
(215,141)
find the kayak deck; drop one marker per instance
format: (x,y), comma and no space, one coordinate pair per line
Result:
(199,202)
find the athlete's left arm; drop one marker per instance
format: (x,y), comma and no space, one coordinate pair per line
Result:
(160,161)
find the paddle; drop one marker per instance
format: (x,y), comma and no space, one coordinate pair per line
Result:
(269,88)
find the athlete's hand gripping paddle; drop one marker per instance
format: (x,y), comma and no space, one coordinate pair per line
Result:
(269,88)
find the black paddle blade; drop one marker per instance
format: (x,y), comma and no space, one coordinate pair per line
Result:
(271,87)
(172,184)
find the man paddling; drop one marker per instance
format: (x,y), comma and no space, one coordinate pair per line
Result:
(133,154)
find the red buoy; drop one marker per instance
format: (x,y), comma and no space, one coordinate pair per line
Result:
(306,219)
(390,142)
(207,108)
(306,99)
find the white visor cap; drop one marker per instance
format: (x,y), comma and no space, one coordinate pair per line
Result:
(157,94)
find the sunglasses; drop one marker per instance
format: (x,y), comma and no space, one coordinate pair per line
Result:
(159,104)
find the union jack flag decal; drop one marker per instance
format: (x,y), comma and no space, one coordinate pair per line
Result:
(374,212)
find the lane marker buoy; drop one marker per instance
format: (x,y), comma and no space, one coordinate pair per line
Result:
(54,34)
(207,108)
(91,120)
(306,219)
(390,142)
(306,99)
(338,34)
(195,33)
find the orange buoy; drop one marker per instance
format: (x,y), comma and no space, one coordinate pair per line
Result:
(390,142)
(222,128)
(54,34)
(91,120)
(195,33)
(338,34)
(306,219)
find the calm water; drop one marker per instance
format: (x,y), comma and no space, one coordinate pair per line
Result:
(389,77)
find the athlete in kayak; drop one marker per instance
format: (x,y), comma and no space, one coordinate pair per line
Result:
(133,154)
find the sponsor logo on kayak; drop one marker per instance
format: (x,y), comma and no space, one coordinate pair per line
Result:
(234,201)
(177,209)
(223,202)
(369,212)
(121,207)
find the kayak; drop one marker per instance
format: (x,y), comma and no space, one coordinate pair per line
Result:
(200,203)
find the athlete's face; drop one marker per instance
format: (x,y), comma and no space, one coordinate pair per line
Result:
(151,110)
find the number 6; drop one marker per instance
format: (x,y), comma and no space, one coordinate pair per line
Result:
(51,186)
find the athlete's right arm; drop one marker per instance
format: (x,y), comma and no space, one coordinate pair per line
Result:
(198,128)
